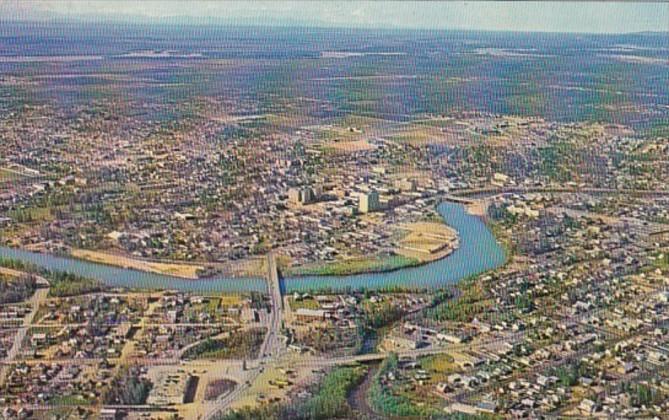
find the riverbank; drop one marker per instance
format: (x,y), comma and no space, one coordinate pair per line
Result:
(366,265)
(178,270)
(193,271)
(478,251)
(422,243)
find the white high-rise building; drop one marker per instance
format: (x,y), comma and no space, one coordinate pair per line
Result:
(369,202)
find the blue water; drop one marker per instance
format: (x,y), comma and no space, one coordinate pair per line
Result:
(478,252)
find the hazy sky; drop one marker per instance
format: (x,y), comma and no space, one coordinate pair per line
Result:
(598,17)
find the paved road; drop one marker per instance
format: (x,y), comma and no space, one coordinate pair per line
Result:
(271,348)
(35,301)
(272,344)
(527,190)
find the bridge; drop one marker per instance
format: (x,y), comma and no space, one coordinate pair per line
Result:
(458,199)
(271,348)
(272,345)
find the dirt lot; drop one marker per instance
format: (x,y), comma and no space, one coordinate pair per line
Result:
(427,241)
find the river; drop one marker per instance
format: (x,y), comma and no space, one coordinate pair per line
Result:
(478,252)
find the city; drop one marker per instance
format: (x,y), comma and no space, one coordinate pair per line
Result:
(217,222)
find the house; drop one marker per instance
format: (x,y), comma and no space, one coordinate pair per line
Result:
(411,341)
(587,407)
(109,414)
(305,314)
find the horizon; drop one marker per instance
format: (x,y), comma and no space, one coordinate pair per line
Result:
(210,24)
(527,17)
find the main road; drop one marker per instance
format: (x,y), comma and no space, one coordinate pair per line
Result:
(271,348)
(35,301)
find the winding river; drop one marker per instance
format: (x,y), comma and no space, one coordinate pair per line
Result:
(478,252)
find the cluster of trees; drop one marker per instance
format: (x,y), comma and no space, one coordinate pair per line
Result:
(498,212)
(641,394)
(382,315)
(328,400)
(62,284)
(66,284)
(440,297)
(239,344)
(470,303)
(568,375)
(18,289)
(17,265)
(263,412)
(23,216)
(258,301)
(128,388)
(384,401)
(557,160)
(524,302)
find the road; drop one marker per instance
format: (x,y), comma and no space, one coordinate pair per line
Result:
(527,190)
(271,346)
(35,301)
(270,350)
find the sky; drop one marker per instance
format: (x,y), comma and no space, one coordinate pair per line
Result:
(542,16)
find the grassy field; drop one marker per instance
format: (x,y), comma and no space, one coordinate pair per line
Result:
(662,261)
(357,266)
(303,304)
(418,135)
(230,299)
(9,176)
(240,344)
(350,146)
(439,367)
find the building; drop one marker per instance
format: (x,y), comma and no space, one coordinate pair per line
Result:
(305,314)
(404,341)
(369,202)
(109,414)
(407,185)
(301,195)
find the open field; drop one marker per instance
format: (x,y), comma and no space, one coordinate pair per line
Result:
(418,135)
(9,176)
(275,382)
(247,267)
(179,270)
(350,146)
(427,241)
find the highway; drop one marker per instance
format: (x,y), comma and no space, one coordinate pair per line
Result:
(270,350)
(527,190)
(272,344)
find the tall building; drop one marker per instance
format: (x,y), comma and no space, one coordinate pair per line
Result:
(301,195)
(369,202)
(308,196)
(295,195)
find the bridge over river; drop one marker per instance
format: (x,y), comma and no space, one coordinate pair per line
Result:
(478,252)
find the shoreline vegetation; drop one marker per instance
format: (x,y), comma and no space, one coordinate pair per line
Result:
(364,265)
(188,271)
(425,242)
(61,283)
